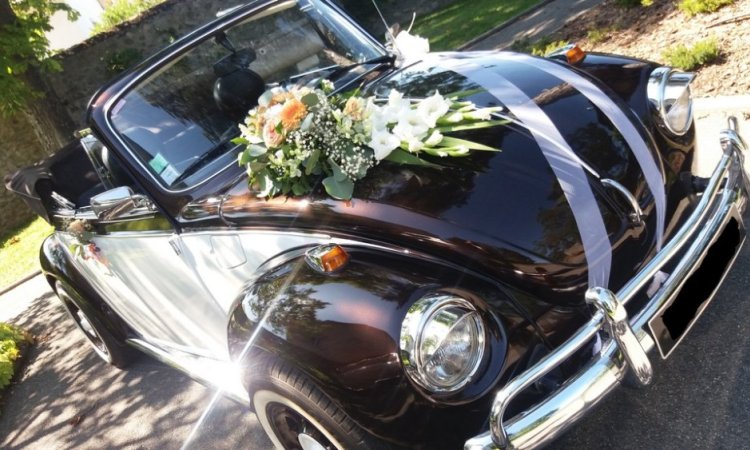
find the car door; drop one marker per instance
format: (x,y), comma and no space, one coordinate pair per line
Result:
(130,252)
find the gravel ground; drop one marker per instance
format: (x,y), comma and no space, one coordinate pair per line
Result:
(645,32)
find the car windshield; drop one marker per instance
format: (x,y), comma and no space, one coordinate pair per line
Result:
(180,121)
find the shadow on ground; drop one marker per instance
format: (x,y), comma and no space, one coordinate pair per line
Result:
(68,398)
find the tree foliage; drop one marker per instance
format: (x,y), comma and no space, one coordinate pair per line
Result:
(23,46)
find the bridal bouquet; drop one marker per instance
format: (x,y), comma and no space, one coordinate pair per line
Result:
(297,135)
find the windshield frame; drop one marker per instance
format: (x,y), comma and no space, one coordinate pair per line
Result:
(184,45)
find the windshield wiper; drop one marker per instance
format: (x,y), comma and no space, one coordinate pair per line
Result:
(390,59)
(201,161)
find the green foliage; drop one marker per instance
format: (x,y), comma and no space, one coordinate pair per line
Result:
(689,58)
(459,22)
(634,3)
(121,11)
(597,35)
(10,340)
(19,250)
(23,44)
(119,61)
(693,7)
(542,47)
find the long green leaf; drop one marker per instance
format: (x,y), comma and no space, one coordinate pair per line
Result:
(403,157)
(472,126)
(455,142)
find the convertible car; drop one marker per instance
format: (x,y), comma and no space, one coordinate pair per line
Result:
(484,301)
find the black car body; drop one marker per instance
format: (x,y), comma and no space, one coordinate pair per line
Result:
(565,260)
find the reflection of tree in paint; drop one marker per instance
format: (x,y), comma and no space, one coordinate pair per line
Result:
(290,299)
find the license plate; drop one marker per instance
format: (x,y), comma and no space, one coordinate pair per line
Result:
(675,319)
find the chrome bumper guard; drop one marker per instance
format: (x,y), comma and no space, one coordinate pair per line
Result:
(625,351)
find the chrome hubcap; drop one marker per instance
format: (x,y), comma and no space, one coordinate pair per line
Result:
(85,324)
(308,443)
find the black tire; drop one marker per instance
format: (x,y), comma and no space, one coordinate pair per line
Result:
(288,405)
(106,346)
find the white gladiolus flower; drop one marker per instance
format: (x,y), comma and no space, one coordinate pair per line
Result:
(435,138)
(479,114)
(433,108)
(396,107)
(455,117)
(378,120)
(383,143)
(415,145)
(411,125)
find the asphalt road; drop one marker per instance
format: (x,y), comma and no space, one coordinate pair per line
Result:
(69,399)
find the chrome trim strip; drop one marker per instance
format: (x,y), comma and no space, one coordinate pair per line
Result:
(545,421)
(636,216)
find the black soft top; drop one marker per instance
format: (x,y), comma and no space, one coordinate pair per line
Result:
(67,172)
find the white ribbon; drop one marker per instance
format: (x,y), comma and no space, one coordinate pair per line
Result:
(568,169)
(649,165)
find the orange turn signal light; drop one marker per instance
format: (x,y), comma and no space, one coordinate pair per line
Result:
(575,55)
(327,258)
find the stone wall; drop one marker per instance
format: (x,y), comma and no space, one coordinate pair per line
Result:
(25,138)
(30,136)
(89,65)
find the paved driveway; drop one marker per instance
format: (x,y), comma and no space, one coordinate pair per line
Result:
(70,399)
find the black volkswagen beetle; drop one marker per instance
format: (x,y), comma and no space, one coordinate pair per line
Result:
(487,301)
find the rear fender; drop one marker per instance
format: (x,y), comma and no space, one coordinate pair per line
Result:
(57,265)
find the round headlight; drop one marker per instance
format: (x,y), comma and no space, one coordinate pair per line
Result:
(442,342)
(669,91)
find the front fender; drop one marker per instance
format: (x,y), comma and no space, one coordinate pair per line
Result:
(343,331)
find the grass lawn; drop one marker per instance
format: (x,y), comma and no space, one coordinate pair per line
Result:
(19,250)
(464,20)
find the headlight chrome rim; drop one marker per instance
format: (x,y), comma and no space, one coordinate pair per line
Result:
(660,81)
(413,328)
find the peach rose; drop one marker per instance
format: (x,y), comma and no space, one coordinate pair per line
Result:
(271,137)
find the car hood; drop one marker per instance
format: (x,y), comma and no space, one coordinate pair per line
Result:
(502,214)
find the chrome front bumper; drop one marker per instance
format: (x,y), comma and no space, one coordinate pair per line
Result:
(626,340)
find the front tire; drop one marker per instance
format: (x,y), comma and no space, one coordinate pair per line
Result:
(297,415)
(106,346)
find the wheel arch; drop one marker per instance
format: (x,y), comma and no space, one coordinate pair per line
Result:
(57,266)
(342,330)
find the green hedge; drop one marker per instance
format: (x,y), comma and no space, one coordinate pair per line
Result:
(11,339)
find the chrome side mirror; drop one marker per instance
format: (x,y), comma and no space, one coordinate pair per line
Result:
(121,203)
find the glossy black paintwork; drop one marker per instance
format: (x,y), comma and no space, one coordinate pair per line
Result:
(343,330)
(501,214)
(493,227)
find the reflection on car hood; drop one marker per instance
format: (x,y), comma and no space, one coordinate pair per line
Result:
(503,214)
